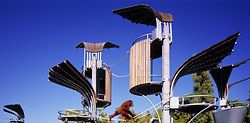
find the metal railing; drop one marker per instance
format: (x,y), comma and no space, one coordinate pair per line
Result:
(197,99)
(144,36)
(73,113)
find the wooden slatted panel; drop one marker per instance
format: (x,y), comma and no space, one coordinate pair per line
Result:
(108,87)
(140,63)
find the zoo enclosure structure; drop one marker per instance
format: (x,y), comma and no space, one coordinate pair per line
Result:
(162,37)
(145,48)
(157,44)
(97,94)
(99,73)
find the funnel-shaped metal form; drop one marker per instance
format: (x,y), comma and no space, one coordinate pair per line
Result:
(16,110)
(221,76)
(231,115)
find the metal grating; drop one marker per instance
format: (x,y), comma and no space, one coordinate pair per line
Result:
(207,59)
(65,74)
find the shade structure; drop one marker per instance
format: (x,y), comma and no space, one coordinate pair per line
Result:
(65,74)
(96,47)
(15,109)
(221,76)
(207,59)
(143,14)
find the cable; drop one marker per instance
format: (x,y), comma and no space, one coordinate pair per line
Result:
(120,60)
(122,76)
(147,110)
(137,116)
(152,106)
(200,112)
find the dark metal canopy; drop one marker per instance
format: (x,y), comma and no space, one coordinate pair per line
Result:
(207,59)
(14,109)
(65,74)
(143,14)
(221,76)
(96,47)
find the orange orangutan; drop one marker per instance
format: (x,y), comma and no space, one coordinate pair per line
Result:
(124,111)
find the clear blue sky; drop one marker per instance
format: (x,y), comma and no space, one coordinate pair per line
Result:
(37,34)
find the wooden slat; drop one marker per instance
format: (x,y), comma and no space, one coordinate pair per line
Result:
(108,86)
(140,63)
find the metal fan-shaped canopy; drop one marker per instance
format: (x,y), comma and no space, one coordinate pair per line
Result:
(67,75)
(207,59)
(16,108)
(143,14)
(96,47)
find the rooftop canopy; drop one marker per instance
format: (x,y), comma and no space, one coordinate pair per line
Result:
(221,76)
(96,47)
(143,14)
(14,109)
(65,74)
(207,59)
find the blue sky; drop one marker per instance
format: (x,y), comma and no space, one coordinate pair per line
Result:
(35,35)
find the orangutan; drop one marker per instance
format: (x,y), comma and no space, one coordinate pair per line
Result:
(124,111)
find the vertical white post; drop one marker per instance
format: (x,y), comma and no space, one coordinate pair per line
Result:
(97,58)
(87,59)
(94,71)
(158,29)
(101,59)
(166,114)
(84,59)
